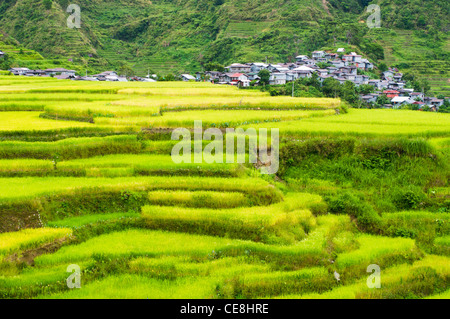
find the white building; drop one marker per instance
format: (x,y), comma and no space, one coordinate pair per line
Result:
(258,66)
(187,77)
(318,54)
(300,58)
(19,71)
(401,100)
(277,79)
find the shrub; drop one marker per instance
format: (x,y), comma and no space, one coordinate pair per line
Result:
(411,197)
(294,152)
(346,203)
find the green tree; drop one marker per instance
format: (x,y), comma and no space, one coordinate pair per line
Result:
(331,87)
(126,70)
(421,86)
(365,89)
(212,66)
(382,100)
(48,4)
(264,76)
(382,67)
(348,92)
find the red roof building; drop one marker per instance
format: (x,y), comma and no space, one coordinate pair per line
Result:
(391,93)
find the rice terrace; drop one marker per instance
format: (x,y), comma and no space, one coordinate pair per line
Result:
(87,180)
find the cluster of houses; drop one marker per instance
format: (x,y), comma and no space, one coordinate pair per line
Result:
(342,67)
(64,74)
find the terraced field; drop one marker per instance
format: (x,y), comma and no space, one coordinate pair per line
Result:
(413,54)
(87,179)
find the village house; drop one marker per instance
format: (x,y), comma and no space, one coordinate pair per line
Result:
(38,72)
(290,76)
(420,104)
(309,62)
(398,77)
(405,92)
(85,78)
(256,67)
(253,76)
(225,78)
(351,59)
(59,71)
(365,65)
(390,94)
(277,79)
(383,85)
(352,70)
(318,54)
(375,83)
(361,79)
(331,56)
(401,100)
(110,76)
(350,77)
(369,98)
(331,69)
(304,68)
(236,77)
(341,80)
(322,72)
(323,78)
(19,71)
(237,67)
(106,73)
(274,67)
(301,73)
(436,103)
(212,76)
(301,58)
(64,77)
(417,96)
(289,66)
(388,75)
(337,63)
(396,85)
(187,77)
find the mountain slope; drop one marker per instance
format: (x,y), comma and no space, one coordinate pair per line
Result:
(174,36)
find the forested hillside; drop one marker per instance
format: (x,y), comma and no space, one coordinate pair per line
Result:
(174,36)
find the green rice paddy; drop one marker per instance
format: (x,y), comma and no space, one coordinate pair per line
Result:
(86,178)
